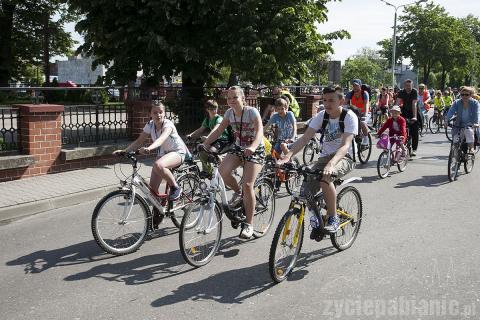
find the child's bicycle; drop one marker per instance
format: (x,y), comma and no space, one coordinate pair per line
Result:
(392,154)
(279,176)
(288,239)
(122,219)
(201,229)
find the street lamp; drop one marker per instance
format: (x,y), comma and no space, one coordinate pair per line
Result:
(394,40)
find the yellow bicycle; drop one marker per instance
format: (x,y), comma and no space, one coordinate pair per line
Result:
(288,239)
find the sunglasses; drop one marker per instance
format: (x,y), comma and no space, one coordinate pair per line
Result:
(465,94)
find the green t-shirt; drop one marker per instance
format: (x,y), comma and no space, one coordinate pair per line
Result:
(211,123)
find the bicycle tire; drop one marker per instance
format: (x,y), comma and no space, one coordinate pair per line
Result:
(293,180)
(117,246)
(448,131)
(433,125)
(264,207)
(402,165)
(355,223)
(468,164)
(190,184)
(309,152)
(453,164)
(383,162)
(363,152)
(188,251)
(278,274)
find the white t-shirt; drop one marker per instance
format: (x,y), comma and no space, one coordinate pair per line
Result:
(332,139)
(243,125)
(172,144)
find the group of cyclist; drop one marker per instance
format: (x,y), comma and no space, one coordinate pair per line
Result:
(241,131)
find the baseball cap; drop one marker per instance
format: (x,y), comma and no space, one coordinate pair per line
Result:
(396,108)
(357,81)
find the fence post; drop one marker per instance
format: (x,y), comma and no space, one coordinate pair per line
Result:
(311,105)
(41,134)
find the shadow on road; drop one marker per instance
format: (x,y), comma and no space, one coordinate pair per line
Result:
(434,158)
(141,270)
(437,142)
(42,260)
(306,259)
(425,181)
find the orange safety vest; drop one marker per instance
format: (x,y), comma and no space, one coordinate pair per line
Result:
(358,102)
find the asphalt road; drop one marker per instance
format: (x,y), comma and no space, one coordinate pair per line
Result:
(416,257)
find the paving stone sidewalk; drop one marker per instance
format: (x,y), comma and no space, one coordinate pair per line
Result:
(29,196)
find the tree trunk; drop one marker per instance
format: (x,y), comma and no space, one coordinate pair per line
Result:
(46,47)
(6,53)
(190,108)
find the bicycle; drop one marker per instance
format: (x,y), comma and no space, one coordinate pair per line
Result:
(312,148)
(122,219)
(363,151)
(436,121)
(288,237)
(459,154)
(277,176)
(392,155)
(201,228)
(448,129)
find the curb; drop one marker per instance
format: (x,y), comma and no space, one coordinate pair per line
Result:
(12,213)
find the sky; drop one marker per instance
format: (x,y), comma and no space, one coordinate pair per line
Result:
(368,21)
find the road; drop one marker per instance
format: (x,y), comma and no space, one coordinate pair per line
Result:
(416,257)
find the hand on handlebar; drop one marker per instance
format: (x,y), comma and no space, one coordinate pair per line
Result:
(248,151)
(144,150)
(119,152)
(328,170)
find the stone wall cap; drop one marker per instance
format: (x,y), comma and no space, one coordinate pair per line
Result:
(35,108)
(16,161)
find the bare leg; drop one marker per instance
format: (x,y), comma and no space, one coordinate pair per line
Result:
(230,163)
(330,197)
(250,172)
(161,170)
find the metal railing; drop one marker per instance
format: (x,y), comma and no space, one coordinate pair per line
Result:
(9,129)
(88,124)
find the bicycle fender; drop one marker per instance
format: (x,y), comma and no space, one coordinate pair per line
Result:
(350,180)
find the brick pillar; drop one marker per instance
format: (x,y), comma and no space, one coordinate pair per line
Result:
(139,115)
(41,135)
(311,105)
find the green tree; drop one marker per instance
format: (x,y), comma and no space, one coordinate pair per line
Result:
(367,65)
(32,31)
(264,41)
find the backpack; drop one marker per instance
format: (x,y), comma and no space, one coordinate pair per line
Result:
(341,123)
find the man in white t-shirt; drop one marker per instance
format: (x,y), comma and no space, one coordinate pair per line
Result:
(336,156)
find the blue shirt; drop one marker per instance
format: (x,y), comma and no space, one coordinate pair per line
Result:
(466,117)
(285,125)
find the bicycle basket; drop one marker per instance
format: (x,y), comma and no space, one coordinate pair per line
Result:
(383,142)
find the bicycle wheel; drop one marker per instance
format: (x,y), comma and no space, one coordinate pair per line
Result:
(190,183)
(286,245)
(448,131)
(383,164)
(200,234)
(402,159)
(264,207)
(294,180)
(350,212)
(364,151)
(433,124)
(468,163)
(120,223)
(453,164)
(309,152)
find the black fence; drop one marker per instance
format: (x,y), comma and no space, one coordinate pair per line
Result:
(9,129)
(94,124)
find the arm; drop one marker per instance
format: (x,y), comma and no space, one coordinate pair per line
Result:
(160,140)
(197,133)
(414,109)
(384,127)
(299,144)
(366,104)
(294,129)
(403,130)
(452,110)
(347,139)
(216,132)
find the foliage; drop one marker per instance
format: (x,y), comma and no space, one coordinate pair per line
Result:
(26,25)
(264,41)
(367,65)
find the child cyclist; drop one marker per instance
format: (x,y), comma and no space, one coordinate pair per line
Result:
(247,126)
(286,125)
(396,125)
(335,157)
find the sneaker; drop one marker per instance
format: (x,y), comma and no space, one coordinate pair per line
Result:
(332,224)
(365,141)
(235,200)
(175,193)
(413,154)
(247,231)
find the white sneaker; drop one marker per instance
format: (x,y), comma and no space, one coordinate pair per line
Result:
(247,231)
(365,140)
(235,200)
